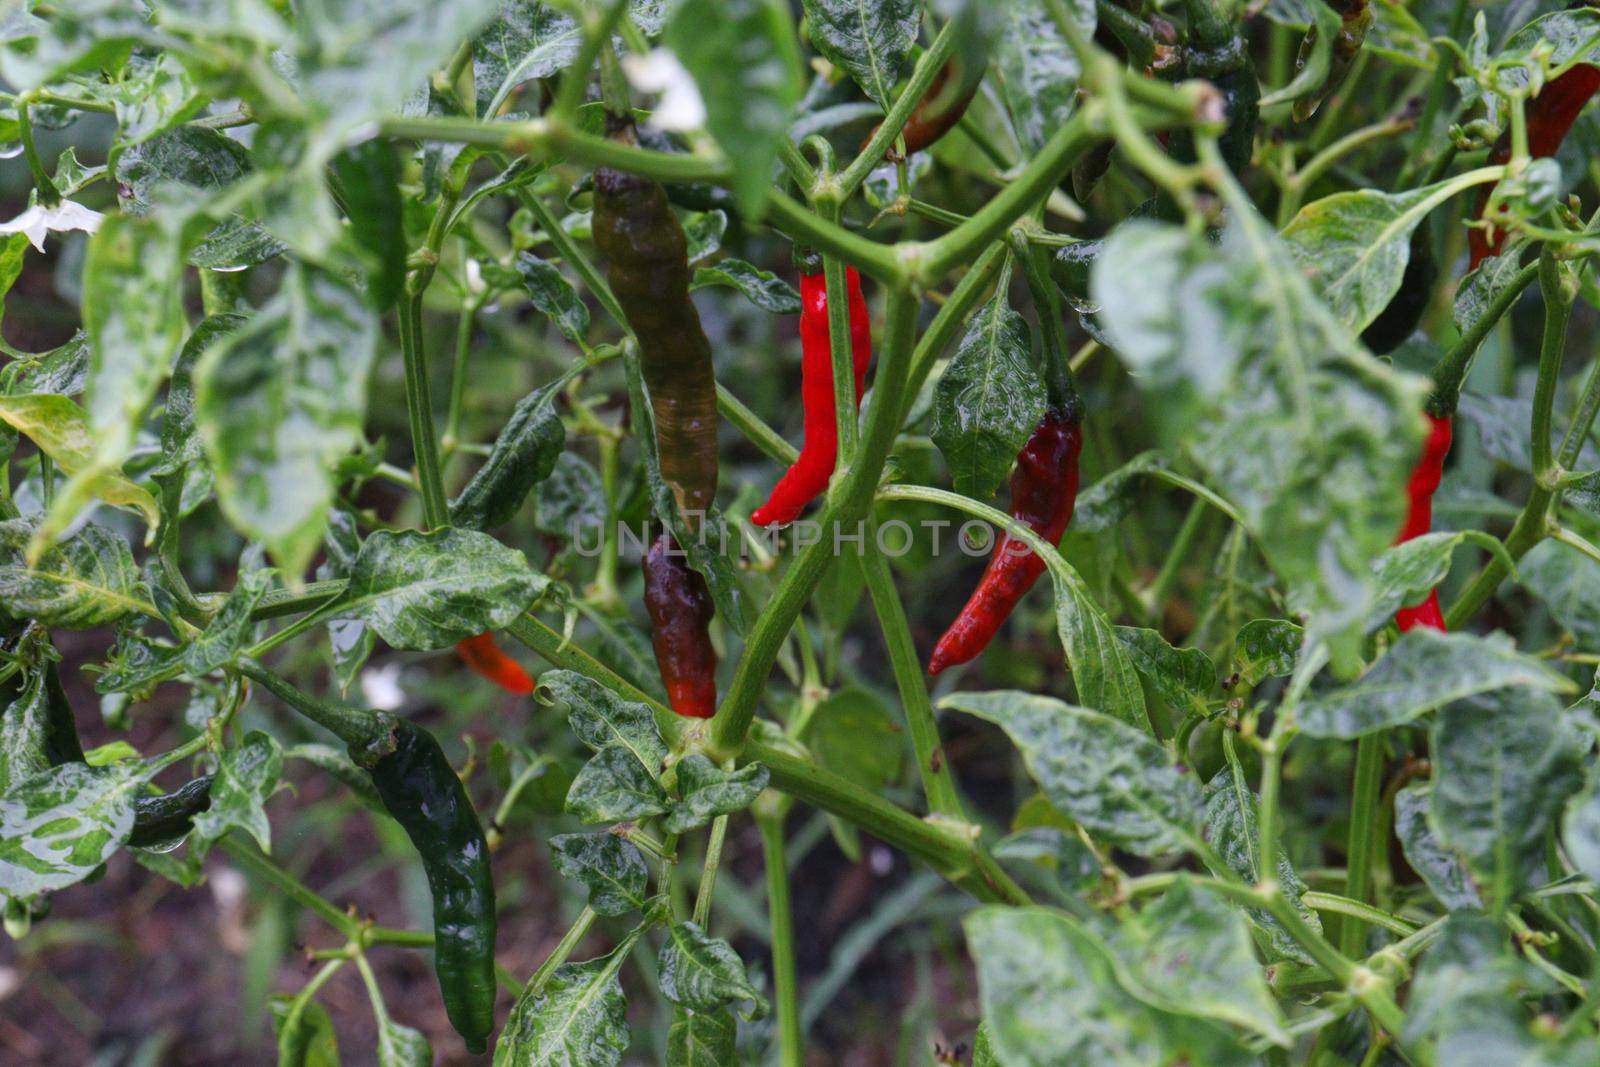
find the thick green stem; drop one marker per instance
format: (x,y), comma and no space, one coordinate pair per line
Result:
(419,410)
(708,872)
(938,781)
(264,868)
(844,374)
(1451,370)
(780,922)
(561,953)
(356,727)
(1363,817)
(917,85)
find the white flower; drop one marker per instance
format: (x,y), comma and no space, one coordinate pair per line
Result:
(660,72)
(39,220)
(380,686)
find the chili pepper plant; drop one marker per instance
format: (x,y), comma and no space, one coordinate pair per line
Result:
(687,531)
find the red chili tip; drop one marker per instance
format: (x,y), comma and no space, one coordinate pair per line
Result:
(485,658)
(692,700)
(1425,614)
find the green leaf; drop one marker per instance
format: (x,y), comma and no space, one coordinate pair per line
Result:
(702,1039)
(246,777)
(1108,501)
(613,786)
(1183,676)
(13,249)
(743,57)
(706,791)
(366,181)
(571,500)
(1354,245)
(336,763)
(703,232)
(401,1046)
(61,370)
(1230,821)
(1102,670)
(1407,572)
(1568,582)
(613,870)
(762,288)
(1114,780)
(87,580)
(851,733)
(179,444)
(278,402)
(1190,953)
(61,430)
(601,718)
(306,1039)
(1266,648)
(1439,867)
(1294,423)
(1424,670)
(1038,70)
(870,39)
(988,401)
(1480,288)
(57,826)
(230,629)
(425,591)
(550,292)
(1504,764)
(579,1016)
(529,39)
(524,454)
(703,973)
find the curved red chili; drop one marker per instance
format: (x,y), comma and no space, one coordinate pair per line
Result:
(1044,488)
(680,609)
(484,657)
(1549,116)
(807,478)
(1419,517)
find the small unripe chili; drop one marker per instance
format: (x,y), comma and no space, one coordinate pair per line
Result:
(1044,487)
(1549,116)
(807,478)
(1424,482)
(486,658)
(680,610)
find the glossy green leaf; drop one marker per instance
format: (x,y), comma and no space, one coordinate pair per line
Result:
(306,1038)
(1230,829)
(425,591)
(852,733)
(611,869)
(988,401)
(1567,581)
(57,826)
(1446,876)
(742,55)
(528,39)
(1504,765)
(366,180)
(1266,648)
(1116,781)
(702,1039)
(580,1016)
(870,39)
(1038,70)
(550,292)
(1424,670)
(706,791)
(231,629)
(703,973)
(278,401)
(401,1046)
(524,454)
(246,776)
(762,288)
(1183,676)
(602,718)
(1102,669)
(614,786)
(87,580)
(62,431)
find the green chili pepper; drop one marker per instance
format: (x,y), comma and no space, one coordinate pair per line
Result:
(165,819)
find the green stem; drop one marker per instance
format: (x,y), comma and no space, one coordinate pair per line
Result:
(1582,421)
(419,411)
(49,195)
(780,921)
(922,76)
(575,79)
(1156,596)
(845,509)
(357,727)
(561,953)
(1363,809)
(290,886)
(938,782)
(1451,370)
(708,872)
(841,351)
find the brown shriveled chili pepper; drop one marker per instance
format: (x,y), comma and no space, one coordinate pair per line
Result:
(1419,516)
(486,658)
(680,609)
(807,478)
(1044,488)
(1549,116)
(648,268)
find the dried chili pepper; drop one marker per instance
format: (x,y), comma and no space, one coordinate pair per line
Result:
(1044,488)
(680,609)
(1549,116)
(807,478)
(486,658)
(648,268)
(1419,516)
(422,793)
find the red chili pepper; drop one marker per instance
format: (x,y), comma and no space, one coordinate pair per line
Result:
(1419,518)
(680,609)
(485,657)
(1044,488)
(1549,116)
(808,477)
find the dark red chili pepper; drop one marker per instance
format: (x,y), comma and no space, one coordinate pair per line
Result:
(680,609)
(1419,518)
(486,658)
(807,478)
(938,112)
(1549,116)
(1044,488)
